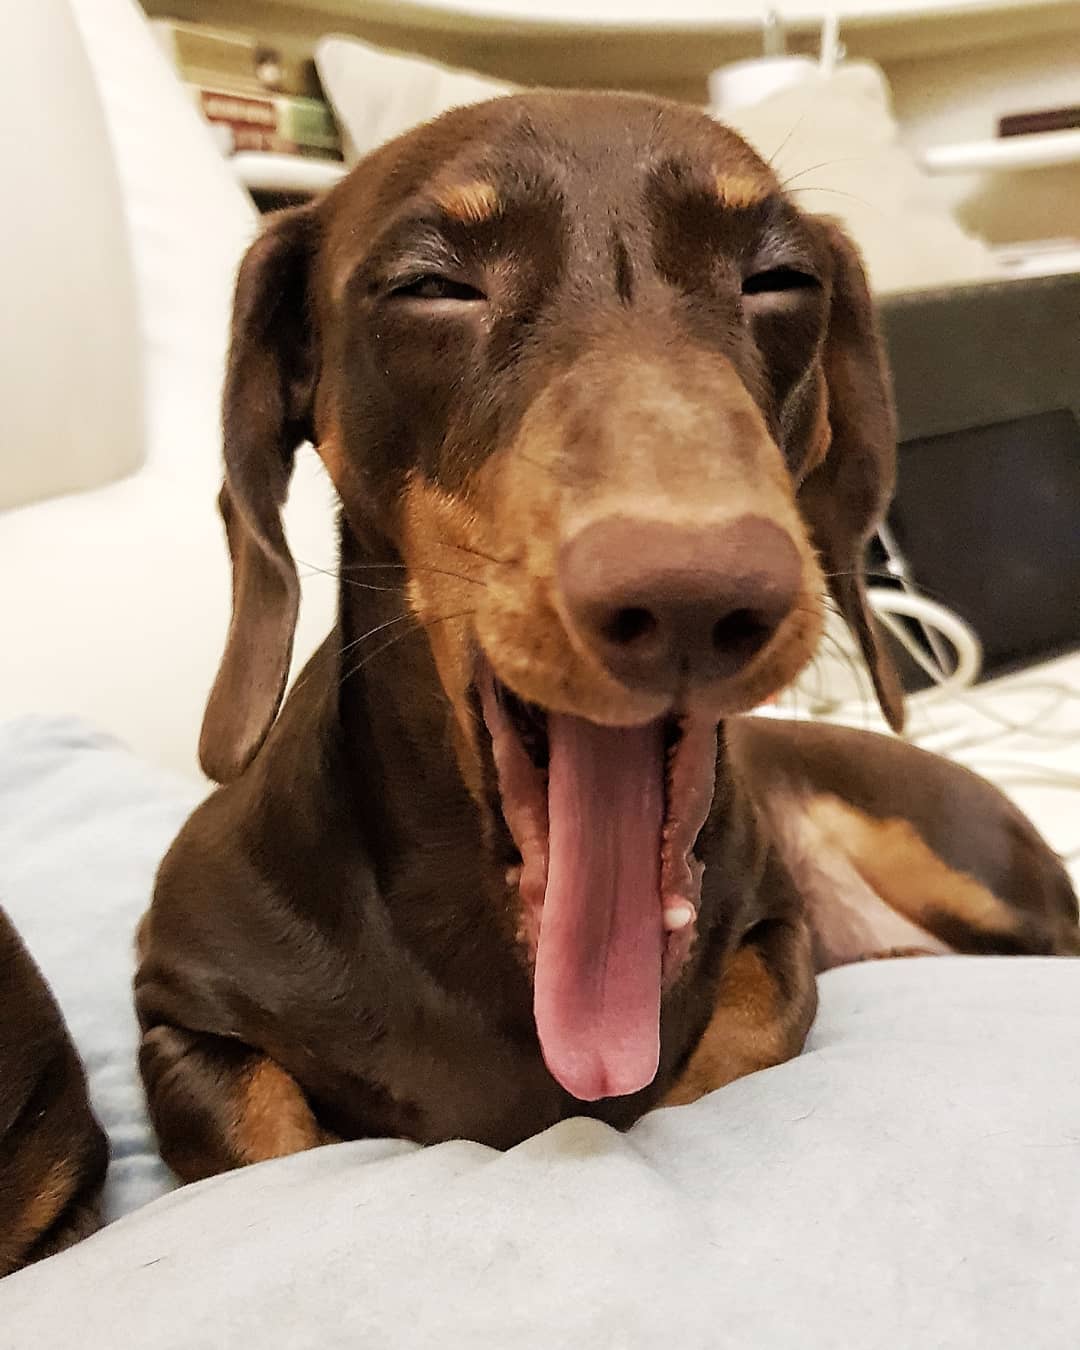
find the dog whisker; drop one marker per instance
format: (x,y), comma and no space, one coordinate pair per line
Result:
(828,644)
(399,637)
(388,623)
(785,183)
(463,548)
(881,574)
(536,463)
(406,567)
(445,572)
(384,647)
(355,642)
(848,659)
(838,192)
(378,567)
(360,585)
(780,148)
(863,695)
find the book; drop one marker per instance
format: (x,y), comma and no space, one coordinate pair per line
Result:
(217,57)
(270,122)
(1029,123)
(231,140)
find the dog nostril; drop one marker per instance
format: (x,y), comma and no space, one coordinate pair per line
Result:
(629,625)
(743,630)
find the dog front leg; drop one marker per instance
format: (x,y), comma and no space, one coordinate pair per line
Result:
(765,1003)
(217,1104)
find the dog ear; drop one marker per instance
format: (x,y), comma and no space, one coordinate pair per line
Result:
(845,496)
(267,413)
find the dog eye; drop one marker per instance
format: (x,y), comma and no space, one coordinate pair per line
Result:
(434,287)
(779,279)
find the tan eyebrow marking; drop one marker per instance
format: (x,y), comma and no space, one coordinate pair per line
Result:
(740,189)
(469,202)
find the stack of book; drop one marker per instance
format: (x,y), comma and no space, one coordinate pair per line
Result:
(253,96)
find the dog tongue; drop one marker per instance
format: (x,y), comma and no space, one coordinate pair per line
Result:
(598,958)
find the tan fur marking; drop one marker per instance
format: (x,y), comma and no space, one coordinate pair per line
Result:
(739,190)
(42,1211)
(469,202)
(894,860)
(752,1026)
(439,532)
(330,447)
(821,436)
(333,457)
(275,1119)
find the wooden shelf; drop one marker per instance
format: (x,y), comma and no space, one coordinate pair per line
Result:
(287,174)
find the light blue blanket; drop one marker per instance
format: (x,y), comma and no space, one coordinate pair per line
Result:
(912,1181)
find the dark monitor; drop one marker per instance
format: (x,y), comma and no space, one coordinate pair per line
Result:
(987,506)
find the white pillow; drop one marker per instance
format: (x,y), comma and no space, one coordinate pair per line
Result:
(71,408)
(835,141)
(376,94)
(189,223)
(909,1181)
(123,597)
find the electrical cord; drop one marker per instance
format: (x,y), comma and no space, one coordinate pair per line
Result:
(937,623)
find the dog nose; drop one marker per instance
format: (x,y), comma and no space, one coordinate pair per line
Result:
(662,604)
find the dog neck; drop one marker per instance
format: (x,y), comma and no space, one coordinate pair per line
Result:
(438,869)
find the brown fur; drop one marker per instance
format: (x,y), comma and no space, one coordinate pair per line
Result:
(336,932)
(52,1151)
(933,843)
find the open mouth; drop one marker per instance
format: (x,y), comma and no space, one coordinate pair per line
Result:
(605,820)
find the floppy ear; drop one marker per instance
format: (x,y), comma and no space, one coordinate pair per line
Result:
(845,496)
(269,389)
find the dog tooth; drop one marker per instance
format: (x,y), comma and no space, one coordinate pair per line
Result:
(677,916)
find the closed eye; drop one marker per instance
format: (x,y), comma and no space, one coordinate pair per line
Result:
(779,279)
(434,287)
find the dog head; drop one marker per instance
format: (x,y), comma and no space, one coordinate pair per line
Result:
(621,411)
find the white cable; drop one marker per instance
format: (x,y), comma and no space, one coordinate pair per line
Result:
(898,567)
(829,47)
(890,604)
(1043,775)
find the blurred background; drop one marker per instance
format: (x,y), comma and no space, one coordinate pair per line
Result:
(958,76)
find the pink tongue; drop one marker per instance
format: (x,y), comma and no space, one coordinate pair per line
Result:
(598,959)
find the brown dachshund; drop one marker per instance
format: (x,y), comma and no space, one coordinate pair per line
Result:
(52,1151)
(608,420)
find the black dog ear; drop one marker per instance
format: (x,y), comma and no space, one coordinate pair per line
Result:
(846,495)
(267,413)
